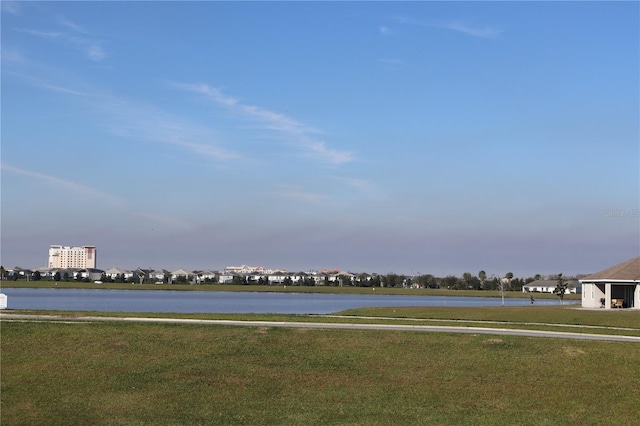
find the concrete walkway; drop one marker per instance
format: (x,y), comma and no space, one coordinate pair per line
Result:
(323,325)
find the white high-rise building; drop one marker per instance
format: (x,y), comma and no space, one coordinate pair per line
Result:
(72,257)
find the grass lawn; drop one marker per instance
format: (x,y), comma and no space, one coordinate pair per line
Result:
(564,316)
(551,318)
(170,374)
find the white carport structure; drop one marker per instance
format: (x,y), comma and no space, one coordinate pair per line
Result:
(618,286)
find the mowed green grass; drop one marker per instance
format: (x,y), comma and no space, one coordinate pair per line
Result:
(164,374)
(566,315)
(552,318)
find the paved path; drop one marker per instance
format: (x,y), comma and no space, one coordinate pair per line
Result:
(324,325)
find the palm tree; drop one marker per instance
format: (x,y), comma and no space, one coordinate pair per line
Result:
(482,276)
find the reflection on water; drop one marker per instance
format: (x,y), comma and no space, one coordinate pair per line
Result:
(229,302)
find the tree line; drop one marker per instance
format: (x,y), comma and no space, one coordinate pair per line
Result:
(467,281)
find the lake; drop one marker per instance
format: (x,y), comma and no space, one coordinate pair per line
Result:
(230,302)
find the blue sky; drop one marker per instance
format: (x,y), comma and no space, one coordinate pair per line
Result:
(417,137)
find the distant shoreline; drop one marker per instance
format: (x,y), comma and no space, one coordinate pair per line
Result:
(284,289)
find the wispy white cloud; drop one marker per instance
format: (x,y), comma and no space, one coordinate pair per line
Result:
(43,34)
(12,7)
(45,84)
(320,151)
(274,121)
(136,121)
(482,32)
(384,30)
(361,185)
(92,48)
(65,184)
(458,25)
(87,191)
(141,121)
(95,53)
(11,55)
(61,89)
(71,25)
(298,194)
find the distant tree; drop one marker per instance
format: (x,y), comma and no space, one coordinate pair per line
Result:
(537,277)
(427,280)
(516,284)
(344,280)
(375,281)
(3,273)
(482,276)
(287,280)
(387,280)
(451,281)
(394,280)
(363,280)
(509,277)
(65,276)
(475,283)
(492,283)
(561,287)
(466,278)
(56,276)
(36,276)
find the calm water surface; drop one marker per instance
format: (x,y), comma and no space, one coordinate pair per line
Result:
(229,302)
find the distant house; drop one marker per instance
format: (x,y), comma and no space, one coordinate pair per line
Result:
(115,273)
(277,277)
(158,275)
(175,275)
(91,274)
(548,286)
(255,277)
(298,277)
(226,277)
(615,287)
(204,275)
